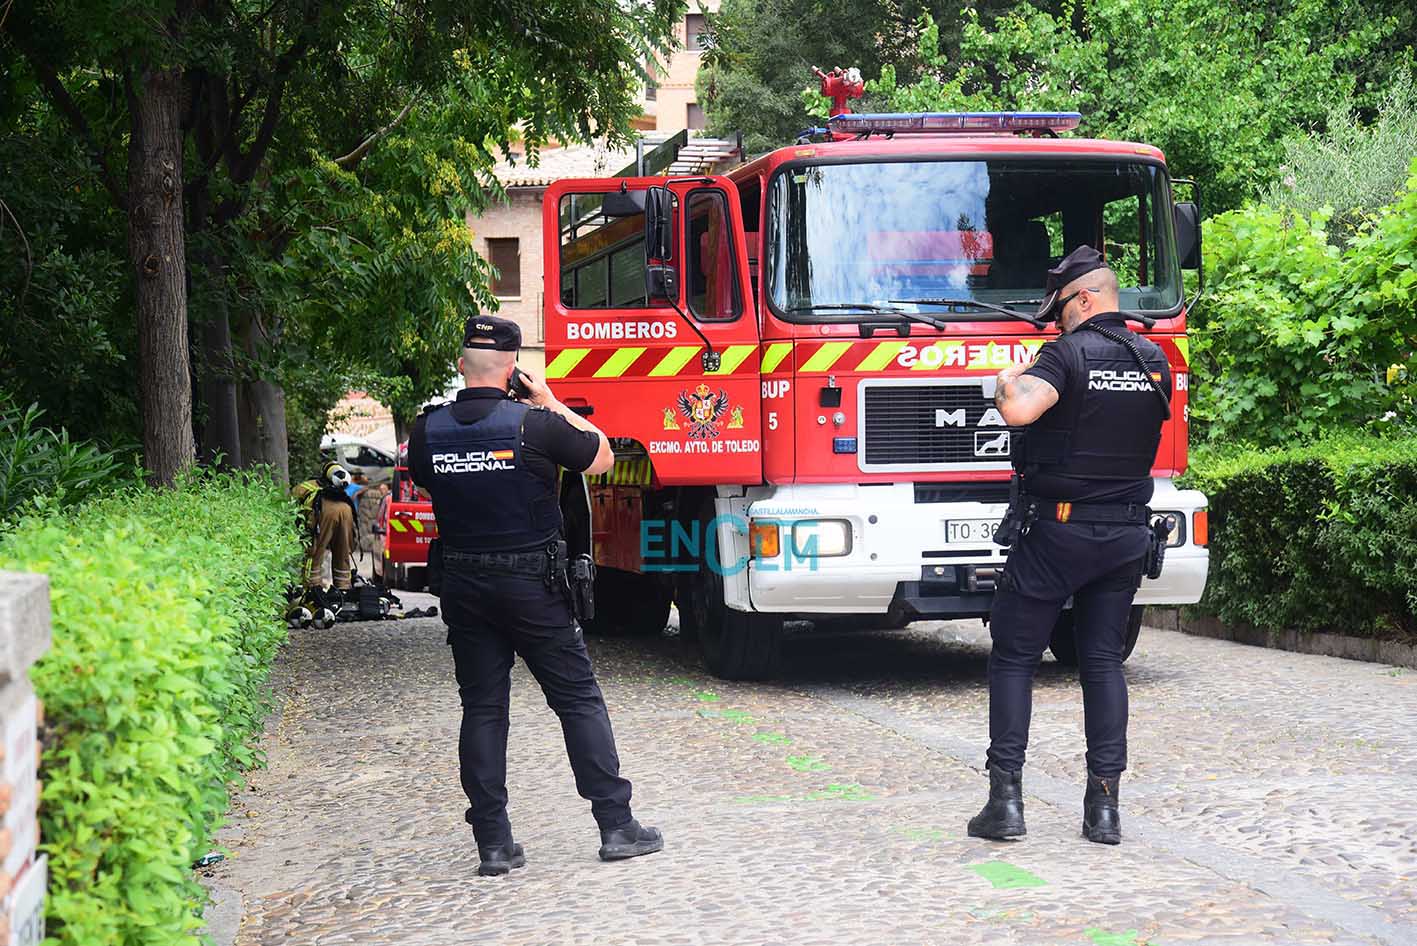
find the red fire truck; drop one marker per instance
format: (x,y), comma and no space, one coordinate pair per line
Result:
(795,362)
(408,530)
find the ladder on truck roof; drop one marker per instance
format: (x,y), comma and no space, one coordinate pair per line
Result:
(682,156)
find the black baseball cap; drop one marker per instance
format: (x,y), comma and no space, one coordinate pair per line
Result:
(1079,262)
(491,333)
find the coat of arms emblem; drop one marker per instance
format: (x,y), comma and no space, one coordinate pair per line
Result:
(704,410)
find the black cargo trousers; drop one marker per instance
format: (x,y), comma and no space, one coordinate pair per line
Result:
(492,617)
(1100,568)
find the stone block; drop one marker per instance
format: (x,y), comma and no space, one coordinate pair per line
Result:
(24,622)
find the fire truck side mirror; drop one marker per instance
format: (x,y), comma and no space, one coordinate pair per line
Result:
(1188,234)
(659,219)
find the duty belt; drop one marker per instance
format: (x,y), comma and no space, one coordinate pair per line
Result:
(535,564)
(1092,513)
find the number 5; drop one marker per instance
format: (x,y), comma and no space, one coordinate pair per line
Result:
(772,420)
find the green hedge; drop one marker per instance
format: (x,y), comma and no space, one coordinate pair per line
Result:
(1320,537)
(166,610)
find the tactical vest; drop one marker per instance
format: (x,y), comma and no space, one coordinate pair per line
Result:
(1106,425)
(484,497)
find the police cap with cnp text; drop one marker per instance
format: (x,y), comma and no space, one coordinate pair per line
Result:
(491,333)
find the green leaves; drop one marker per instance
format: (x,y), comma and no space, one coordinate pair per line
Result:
(1297,336)
(166,610)
(1320,537)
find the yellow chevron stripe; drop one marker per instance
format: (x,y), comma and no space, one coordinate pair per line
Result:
(774,355)
(617,363)
(671,363)
(826,356)
(1183,345)
(417,526)
(733,356)
(881,356)
(397,525)
(564,362)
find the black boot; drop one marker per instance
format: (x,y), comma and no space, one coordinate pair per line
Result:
(631,839)
(1100,820)
(1002,817)
(498,859)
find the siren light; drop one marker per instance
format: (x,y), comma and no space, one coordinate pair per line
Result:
(936,122)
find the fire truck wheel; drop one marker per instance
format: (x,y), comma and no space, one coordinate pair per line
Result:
(415,577)
(735,645)
(629,605)
(1063,643)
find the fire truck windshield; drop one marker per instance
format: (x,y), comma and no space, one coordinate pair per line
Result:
(845,237)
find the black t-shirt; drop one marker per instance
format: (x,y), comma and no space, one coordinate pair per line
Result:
(548,439)
(1057,369)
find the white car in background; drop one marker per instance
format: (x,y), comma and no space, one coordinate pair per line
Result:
(356,454)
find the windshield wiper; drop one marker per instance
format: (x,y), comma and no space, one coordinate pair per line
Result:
(873,308)
(987,306)
(1145,320)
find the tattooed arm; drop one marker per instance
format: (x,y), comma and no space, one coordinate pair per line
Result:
(1022,398)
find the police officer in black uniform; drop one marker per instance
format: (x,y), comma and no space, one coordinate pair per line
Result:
(1092,405)
(489,462)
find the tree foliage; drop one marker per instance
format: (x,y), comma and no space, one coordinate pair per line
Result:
(1296,336)
(1217,86)
(763,52)
(330,144)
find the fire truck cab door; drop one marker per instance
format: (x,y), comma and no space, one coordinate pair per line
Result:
(636,363)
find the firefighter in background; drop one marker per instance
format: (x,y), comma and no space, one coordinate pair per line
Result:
(1091,407)
(330,518)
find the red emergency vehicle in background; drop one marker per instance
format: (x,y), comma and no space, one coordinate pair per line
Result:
(795,363)
(408,529)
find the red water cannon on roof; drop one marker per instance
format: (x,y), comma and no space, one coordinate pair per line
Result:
(839,85)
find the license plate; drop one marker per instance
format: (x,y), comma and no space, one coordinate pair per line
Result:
(975,531)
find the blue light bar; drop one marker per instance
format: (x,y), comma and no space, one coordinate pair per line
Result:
(917,123)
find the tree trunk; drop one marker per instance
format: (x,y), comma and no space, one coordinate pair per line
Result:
(220,435)
(157,252)
(261,407)
(264,439)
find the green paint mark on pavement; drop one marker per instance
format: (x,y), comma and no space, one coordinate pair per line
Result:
(922,834)
(850,792)
(740,717)
(1005,876)
(1104,938)
(681,682)
(706,696)
(830,793)
(772,738)
(807,763)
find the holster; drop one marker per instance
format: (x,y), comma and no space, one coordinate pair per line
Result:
(435,567)
(1017,518)
(583,587)
(1156,548)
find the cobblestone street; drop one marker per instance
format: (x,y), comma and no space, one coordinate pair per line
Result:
(1271,799)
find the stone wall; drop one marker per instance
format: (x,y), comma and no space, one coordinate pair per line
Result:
(1371,649)
(24,638)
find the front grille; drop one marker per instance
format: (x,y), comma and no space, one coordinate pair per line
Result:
(961,492)
(922,425)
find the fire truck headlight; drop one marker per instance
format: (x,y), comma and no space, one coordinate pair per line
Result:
(821,538)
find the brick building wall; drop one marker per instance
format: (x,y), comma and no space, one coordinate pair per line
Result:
(519,219)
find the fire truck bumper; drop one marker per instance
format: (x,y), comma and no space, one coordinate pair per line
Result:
(850,549)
